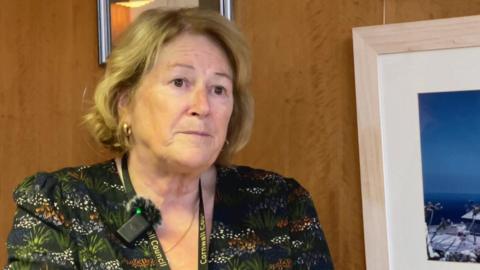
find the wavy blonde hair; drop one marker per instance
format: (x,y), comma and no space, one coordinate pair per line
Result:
(135,55)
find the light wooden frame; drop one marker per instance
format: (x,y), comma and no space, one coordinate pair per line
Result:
(370,43)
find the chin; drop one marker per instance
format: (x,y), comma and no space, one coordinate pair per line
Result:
(194,161)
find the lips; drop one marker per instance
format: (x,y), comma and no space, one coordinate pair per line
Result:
(197,133)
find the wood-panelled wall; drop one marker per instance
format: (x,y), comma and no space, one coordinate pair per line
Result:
(48,63)
(303,84)
(302,81)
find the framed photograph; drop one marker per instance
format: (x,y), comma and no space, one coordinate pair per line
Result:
(418,115)
(115,15)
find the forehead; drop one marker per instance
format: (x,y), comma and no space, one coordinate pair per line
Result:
(193,47)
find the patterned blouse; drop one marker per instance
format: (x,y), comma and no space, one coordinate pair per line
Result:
(68,219)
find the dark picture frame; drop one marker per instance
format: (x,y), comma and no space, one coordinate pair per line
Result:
(225,7)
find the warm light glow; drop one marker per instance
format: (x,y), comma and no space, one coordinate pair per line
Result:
(134,3)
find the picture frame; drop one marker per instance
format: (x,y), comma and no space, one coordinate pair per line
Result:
(393,64)
(104,18)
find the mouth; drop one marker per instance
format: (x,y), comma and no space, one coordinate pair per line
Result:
(196,133)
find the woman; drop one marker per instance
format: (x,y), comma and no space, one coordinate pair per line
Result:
(174,106)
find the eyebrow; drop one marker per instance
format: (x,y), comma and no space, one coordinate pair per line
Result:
(180,65)
(222,74)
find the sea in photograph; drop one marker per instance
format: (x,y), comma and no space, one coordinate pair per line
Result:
(454,206)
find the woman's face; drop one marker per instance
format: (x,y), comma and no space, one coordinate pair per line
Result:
(180,112)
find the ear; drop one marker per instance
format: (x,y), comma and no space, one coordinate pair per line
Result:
(123,106)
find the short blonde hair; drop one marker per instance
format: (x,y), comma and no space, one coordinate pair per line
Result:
(134,56)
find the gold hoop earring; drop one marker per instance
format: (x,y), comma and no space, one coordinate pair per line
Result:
(127,130)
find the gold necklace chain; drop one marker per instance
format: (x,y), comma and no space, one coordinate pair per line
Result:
(184,234)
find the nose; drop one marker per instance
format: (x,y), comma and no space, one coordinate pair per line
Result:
(200,104)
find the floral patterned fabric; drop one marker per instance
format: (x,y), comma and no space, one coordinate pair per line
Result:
(67,220)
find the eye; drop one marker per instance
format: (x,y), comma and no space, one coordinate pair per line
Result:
(178,82)
(219,90)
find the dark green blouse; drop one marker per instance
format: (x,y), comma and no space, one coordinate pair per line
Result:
(67,220)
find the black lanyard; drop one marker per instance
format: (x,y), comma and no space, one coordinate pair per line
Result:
(155,246)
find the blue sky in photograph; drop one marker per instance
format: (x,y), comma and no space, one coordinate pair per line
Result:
(450,141)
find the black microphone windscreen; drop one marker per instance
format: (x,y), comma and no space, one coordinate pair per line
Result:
(147,209)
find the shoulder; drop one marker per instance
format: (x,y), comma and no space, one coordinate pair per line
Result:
(255,178)
(48,183)
(45,194)
(258,187)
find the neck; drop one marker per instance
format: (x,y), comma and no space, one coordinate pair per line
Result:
(166,185)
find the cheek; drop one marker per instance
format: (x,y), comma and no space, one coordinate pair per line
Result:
(225,117)
(151,115)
